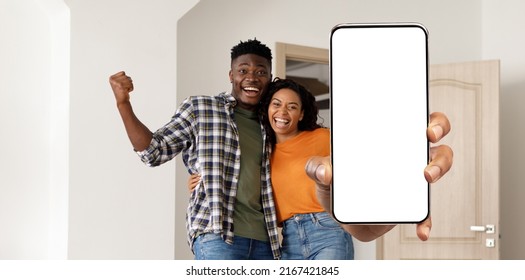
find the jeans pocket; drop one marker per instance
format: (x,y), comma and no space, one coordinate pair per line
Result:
(324,220)
(209,237)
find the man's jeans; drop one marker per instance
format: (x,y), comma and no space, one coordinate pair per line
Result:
(210,246)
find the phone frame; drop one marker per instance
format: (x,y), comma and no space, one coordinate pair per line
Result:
(421,207)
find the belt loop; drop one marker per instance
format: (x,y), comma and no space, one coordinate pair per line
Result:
(314,217)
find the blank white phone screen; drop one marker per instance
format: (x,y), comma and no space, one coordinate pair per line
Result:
(379,116)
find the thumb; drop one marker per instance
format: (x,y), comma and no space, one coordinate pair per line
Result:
(319,169)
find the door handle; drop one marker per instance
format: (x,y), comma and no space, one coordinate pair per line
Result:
(487,228)
(489,242)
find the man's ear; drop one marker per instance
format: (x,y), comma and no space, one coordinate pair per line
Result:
(231,76)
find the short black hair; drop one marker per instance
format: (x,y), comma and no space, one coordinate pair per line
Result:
(251,47)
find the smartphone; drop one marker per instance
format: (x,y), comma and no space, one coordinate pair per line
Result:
(379,117)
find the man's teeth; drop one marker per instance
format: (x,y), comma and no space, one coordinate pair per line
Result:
(251,89)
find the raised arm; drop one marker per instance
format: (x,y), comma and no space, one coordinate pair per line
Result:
(139,135)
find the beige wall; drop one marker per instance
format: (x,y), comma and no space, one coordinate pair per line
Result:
(502,25)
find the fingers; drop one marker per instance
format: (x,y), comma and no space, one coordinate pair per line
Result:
(193,181)
(122,85)
(423,229)
(120,79)
(320,170)
(441,158)
(438,127)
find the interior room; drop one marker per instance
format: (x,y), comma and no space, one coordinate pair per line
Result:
(71,186)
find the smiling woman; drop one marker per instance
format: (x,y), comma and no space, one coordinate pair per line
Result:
(289,112)
(284,113)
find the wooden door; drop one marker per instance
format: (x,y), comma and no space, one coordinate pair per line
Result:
(468,195)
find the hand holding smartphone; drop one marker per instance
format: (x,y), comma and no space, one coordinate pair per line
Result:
(379,116)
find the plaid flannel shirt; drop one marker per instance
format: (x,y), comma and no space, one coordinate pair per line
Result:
(204,130)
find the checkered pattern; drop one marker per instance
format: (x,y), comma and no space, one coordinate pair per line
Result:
(204,131)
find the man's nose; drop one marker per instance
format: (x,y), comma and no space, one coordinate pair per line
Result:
(251,75)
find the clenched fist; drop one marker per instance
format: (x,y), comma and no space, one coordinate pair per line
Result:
(122,85)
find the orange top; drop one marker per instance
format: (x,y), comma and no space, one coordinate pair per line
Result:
(293,191)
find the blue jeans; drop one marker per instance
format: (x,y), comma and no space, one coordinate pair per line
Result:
(210,246)
(315,236)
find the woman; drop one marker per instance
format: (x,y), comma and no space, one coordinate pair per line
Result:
(289,114)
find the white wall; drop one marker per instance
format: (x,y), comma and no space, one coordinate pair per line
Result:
(33,116)
(117,207)
(503,25)
(205,37)
(23,200)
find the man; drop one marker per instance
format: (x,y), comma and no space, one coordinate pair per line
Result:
(235,194)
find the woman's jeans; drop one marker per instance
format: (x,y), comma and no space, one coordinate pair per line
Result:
(210,246)
(315,236)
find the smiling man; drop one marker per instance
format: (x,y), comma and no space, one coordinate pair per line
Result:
(234,193)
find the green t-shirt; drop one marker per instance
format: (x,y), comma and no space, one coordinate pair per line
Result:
(248,216)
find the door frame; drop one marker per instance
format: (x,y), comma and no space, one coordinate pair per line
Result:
(284,52)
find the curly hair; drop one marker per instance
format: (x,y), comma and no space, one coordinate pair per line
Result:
(309,107)
(251,47)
